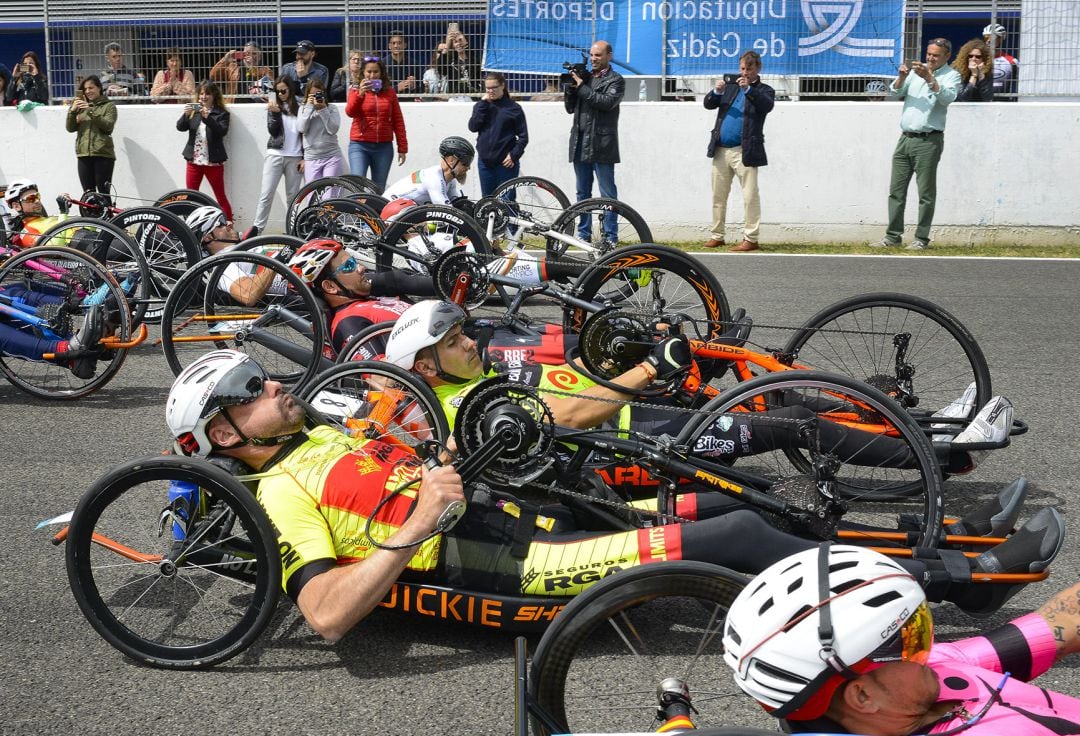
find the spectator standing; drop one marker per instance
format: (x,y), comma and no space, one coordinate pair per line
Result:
(319,123)
(927,90)
(305,68)
(737,147)
(92,117)
(28,82)
(346,75)
(206,122)
(401,66)
(120,81)
(174,83)
(376,120)
(594,135)
(503,134)
(461,68)
(1006,67)
(976,70)
(243,73)
(284,154)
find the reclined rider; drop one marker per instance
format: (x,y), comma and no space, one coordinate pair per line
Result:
(320,487)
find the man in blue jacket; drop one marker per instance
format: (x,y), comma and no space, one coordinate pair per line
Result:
(737,146)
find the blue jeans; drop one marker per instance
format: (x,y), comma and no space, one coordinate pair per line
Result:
(605,177)
(376,156)
(493,176)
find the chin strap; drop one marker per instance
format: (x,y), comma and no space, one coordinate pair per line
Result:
(285,439)
(443,375)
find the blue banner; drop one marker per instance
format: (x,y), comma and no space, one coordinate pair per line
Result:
(699,37)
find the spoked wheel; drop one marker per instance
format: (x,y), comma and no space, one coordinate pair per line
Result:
(585,222)
(173,581)
(247,302)
(168,245)
(367,344)
(533,199)
(182,202)
(345,220)
(112,247)
(827,442)
(427,232)
(908,347)
(329,187)
(652,281)
(378,401)
(57,287)
(598,666)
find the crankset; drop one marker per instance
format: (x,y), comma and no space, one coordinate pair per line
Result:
(613,341)
(458,270)
(521,420)
(494,214)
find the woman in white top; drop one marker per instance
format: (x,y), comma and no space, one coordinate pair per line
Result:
(284,151)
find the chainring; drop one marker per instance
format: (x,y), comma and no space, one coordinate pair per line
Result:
(822,514)
(496,404)
(451,266)
(609,342)
(494,211)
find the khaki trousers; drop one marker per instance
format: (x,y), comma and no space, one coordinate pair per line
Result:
(727,163)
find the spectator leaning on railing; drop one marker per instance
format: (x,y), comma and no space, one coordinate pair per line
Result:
(976,70)
(174,83)
(120,81)
(243,73)
(305,68)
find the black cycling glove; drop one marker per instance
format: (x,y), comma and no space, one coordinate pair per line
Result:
(670,357)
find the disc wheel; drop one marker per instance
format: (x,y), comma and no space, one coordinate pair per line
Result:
(167,244)
(650,281)
(584,220)
(113,248)
(379,401)
(598,666)
(178,588)
(536,200)
(908,347)
(811,430)
(247,302)
(60,284)
(329,187)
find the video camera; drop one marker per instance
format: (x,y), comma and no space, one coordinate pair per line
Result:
(581,69)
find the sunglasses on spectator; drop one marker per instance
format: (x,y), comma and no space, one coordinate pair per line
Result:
(283,90)
(493,86)
(366,59)
(30,198)
(975,56)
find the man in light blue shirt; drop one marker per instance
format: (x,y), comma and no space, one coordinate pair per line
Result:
(927,90)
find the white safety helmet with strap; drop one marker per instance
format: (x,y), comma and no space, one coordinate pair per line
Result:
(16,189)
(420,326)
(203,220)
(994,29)
(817,618)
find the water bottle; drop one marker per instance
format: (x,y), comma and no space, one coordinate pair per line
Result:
(183,500)
(643,92)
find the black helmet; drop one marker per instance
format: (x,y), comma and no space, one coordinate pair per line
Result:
(458,147)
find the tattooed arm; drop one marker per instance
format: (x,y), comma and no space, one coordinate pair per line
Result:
(1062,613)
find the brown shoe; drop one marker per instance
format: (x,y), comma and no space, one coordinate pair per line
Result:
(714,243)
(744,247)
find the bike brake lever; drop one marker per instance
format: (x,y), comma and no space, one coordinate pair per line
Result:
(428,451)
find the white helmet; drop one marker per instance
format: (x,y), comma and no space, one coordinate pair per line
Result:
(419,326)
(216,380)
(204,219)
(16,189)
(792,637)
(994,29)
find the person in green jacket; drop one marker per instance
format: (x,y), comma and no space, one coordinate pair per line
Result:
(92,117)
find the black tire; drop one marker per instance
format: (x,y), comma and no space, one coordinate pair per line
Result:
(632,228)
(347,220)
(347,393)
(375,201)
(82,278)
(534,199)
(598,665)
(112,247)
(437,226)
(365,184)
(367,344)
(182,202)
(168,245)
(268,244)
(288,345)
(329,187)
(221,588)
(653,280)
(864,463)
(856,337)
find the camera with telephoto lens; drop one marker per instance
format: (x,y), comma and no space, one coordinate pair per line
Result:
(581,69)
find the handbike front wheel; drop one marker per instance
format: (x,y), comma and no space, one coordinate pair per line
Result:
(587,220)
(796,432)
(166,584)
(598,666)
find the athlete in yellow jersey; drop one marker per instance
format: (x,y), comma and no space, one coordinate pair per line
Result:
(320,487)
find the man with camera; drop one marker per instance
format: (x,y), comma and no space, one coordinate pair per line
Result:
(241,72)
(594,99)
(737,146)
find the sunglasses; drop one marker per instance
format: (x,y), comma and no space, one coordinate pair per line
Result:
(283,91)
(349,266)
(975,56)
(241,385)
(911,642)
(366,59)
(30,198)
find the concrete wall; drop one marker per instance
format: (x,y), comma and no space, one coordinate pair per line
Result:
(1010,172)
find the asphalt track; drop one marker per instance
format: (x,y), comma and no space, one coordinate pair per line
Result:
(395,675)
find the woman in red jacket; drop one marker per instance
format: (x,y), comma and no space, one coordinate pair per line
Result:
(373,105)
